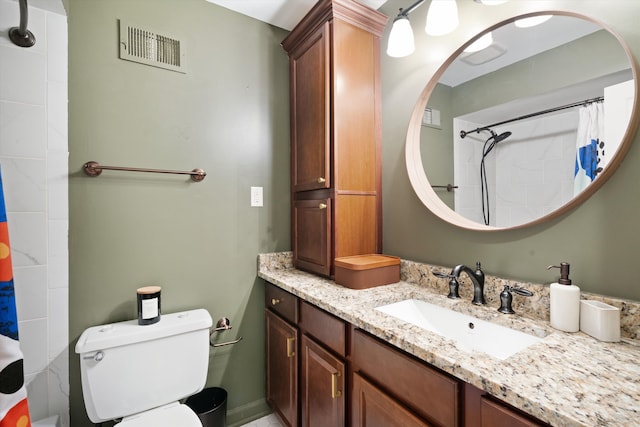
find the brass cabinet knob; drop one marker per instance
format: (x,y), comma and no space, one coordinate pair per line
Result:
(275,301)
(322,206)
(321,180)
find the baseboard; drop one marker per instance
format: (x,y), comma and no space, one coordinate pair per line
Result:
(247,413)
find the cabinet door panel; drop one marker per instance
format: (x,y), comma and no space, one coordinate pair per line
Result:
(371,407)
(355,132)
(311,235)
(282,368)
(494,414)
(310,128)
(322,395)
(358,233)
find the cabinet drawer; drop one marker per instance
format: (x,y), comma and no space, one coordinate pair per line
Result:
(281,302)
(430,393)
(370,406)
(324,327)
(494,414)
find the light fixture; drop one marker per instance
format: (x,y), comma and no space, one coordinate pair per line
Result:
(531,21)
(401,41)
(442,17)
(482,43)
(401,38)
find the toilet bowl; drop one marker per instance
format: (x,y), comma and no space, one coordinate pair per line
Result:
(140,373)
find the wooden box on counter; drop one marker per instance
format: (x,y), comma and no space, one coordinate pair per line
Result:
(366,271)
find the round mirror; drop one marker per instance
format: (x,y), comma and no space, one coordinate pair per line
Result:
(525,128)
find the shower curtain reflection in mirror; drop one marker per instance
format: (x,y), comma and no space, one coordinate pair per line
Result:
(590,146)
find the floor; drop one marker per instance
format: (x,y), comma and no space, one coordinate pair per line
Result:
(269,421)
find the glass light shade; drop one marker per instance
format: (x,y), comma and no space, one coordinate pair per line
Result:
(491,2)
(442,17)
(482,43)
(401,41)
(532,21)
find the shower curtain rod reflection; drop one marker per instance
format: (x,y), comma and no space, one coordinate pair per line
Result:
(20,36)
(538,113)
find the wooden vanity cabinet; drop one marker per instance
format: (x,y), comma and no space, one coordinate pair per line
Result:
(305,361)
(322,371)
(281,318)
(335,102)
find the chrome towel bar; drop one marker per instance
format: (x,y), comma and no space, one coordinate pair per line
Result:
(95,169)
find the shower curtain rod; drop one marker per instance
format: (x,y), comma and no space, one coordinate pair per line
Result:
(20,35)
(538,113)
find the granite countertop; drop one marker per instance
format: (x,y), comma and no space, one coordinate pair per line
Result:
(567,379)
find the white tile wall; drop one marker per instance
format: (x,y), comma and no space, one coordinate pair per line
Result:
(530,173)
(34,157)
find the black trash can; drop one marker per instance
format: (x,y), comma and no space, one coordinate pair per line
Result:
(210,405)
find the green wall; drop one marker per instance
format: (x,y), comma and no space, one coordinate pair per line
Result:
(600,238)
(227,115)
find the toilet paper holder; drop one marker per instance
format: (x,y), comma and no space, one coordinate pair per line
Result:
(222,325)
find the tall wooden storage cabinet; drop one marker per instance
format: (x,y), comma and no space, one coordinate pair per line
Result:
(334,62)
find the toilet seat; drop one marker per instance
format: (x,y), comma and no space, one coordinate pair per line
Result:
(171,415)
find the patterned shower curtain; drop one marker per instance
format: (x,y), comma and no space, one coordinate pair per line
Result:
(14,410)
(589,146)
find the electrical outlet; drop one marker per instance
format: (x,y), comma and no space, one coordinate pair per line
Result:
(256,196)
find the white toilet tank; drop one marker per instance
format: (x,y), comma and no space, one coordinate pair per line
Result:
(127,368)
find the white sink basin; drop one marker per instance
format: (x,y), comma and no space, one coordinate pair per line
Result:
(470,333)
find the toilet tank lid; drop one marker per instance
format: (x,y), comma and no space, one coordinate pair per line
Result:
(129,332)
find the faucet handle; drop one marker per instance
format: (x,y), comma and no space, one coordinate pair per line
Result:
(443,275)
(522,291)
(506,298)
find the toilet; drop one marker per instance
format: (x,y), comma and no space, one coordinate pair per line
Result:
(140,373)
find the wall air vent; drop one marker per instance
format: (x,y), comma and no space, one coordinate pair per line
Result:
(151,48)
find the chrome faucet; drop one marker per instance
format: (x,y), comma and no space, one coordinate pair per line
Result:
(477,278)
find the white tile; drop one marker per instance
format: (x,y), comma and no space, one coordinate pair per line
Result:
(23,130)
(37,394)
(57,57)
(31,292)
(24,183)
(58,255)
(57,116)
(22,76)
(28,234)
(58,321)
(33,338)
(59,387)
(57,185)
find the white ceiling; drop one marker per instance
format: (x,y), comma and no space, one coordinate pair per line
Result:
(281,13)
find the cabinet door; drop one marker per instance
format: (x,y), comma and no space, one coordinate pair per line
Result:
(322,395)
(310,112)
(371,407)
(282,368)
(311,235)
(494,414)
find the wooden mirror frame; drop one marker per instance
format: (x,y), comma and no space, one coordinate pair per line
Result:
(413,156)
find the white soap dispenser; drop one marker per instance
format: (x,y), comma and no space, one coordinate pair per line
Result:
(565,301)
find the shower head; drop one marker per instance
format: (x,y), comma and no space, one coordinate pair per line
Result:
(501,137)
